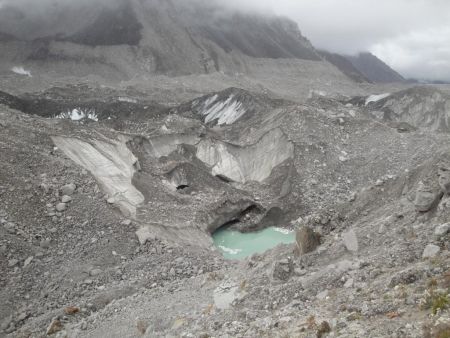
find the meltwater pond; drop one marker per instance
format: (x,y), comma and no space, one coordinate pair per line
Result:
(237,245)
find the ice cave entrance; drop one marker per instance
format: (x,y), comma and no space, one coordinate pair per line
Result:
(237,245)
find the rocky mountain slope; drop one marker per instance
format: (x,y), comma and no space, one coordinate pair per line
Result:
(345,66)
(207,38)
(159,46)
(374,69)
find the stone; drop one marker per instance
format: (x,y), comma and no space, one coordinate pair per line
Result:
(444,179)
(350,241)
(307,240)
(111,200)
(142,326)
(62,334)
(54,327)
(322,295)
(66,199)
(126,222)
(323,329)
(349,283)
(6,323)
(13,262)
(10,227)
(68,189)
(61,207)
(283,269)
(379,183)
(430,251)
(442,230)
(144,235)
(45,243)
(28,261)
(425,199)
(95,272)
(71,310)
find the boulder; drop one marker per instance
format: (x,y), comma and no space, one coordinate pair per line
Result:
(283,269)
(68,189)
(426,197)
(442,230)
(144,234)
(444,179)
(66,199)
(61,207)
(307,240)
(350,241)
(430,251)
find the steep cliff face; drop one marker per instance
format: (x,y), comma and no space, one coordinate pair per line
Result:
(158,37)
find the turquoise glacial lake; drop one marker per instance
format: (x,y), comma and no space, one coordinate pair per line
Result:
(237,245)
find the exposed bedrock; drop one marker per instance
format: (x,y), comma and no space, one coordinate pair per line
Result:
(244,164)
(111,163)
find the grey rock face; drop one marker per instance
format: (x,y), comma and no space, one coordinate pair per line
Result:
(307,240)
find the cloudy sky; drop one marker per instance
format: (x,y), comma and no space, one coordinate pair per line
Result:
(412,36)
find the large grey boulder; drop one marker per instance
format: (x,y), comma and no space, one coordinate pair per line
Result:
(430,251)
(68,189)
(307,240)
(350,241)
(426,197)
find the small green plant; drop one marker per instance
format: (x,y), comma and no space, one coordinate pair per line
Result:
(439,302)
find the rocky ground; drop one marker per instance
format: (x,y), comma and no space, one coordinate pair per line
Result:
(105,225)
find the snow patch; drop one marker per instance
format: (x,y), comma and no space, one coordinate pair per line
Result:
(224,111)
(78,114)
(376,98)
(21,71)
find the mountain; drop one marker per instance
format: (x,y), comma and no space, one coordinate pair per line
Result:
(155,42)
(163,37)
(374,69)
(344,65)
